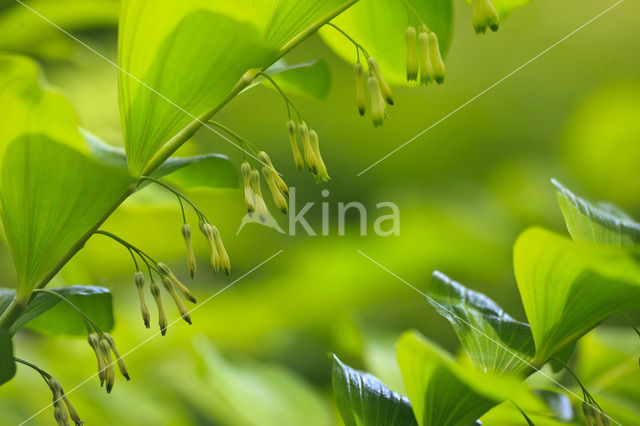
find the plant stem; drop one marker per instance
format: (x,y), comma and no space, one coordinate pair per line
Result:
(11,314)
(86,318)
(355,43)
(286,98)
(129,246)
(630,323)
(176,193)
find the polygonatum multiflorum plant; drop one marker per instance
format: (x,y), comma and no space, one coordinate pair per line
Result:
(567,287)
(179,63)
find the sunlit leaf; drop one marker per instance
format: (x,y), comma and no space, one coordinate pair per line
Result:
(23,31)
(596,223)
(248,392)
(31,106)
(7,364)
(567,289)
(379,26)
(52,198)
(190,55)
(444,393)
(494,341)
(363,400)
(51,314)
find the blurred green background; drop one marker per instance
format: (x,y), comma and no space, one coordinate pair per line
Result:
(257,353)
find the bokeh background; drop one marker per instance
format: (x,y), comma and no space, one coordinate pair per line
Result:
(257,353)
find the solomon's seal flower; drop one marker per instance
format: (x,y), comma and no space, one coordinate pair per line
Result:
(309,158)
(121,365)
(245,168)
(384,87)
(162,316)
(412,59)
(426,72)
(166,272)
(184,312)
(378,109)
(322,175)
(208,233)
(224,257)
(139,280)
(261,207)
(191,257)
(297,157)
(278,198)
(484,15)
(437,64)
(358,69)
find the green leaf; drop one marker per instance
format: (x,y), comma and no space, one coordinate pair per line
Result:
(567,288)
(31,106)
(445,393)
(43,39)
(312,79)
(248,392)
(7,363)
(494,341)
(596,223)
(363,400)
(379,26)
(207,170)
(558,403)
(190,56)
(50,314)
(52,199)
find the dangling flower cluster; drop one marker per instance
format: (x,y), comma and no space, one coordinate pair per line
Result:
(63,411)
(431,65)
(103,345)
(484,15)
(254,201)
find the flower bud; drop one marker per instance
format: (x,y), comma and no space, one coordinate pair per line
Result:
(191,257)
(224,257)
(360,97)
(245,168)
(277,179)
(412,57)
(306,147)
(378,112)
(589,413)
(604,419)
(437,64)
(322,168)
(215,257)
(484,15)
(165,271)
(94,342)
(261,207)
(59,413)
(139,280)
(426,72)
(384,87)
(72,411)
(121,365)
(110,376)
(184,312)
(278,198)
(297,157)
(162,316)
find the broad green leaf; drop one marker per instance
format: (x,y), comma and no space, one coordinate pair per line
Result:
(31,106)
(596,223)
(7,364)
(379,26)
(243,392)
(23,31)
(50,314)
(445,393)
(52,199)
(191,54)
(505,7)
(311,79)
(363,400)
(494,341)
(207,170)
(567,288)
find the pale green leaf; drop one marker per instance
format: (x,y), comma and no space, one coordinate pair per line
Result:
(32,106)
(379,26)
(7,363)
(596,223)
(494,341)
(567,288)
(363,400)
(445,393)
(247,392)
(50,314)
(190,55)
(312,79)
(52,199)
(23,31)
